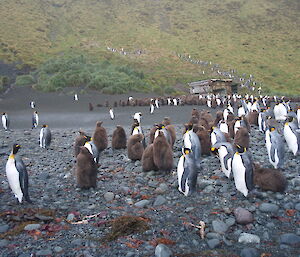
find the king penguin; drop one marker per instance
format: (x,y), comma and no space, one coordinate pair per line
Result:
(275,147)
(191,141)
(225,154)
(292,136)
(187,173)
(17,175)
(5,121)
(90,145)
(217,136)
(242,169)
(45,137)
(35,119)
(111,113)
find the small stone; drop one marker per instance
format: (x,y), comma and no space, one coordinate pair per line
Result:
(77,242)
(162,250)
(109,196)
(230,222)
(243,216)
(70,217)
(142,203)
(4,228)
(268,207)
(290,239)
(219,226)
(46,252)
(249,252)
(3,243)
(130,254)
(160,200)
(212,235)
(213,243)
(248,238)
(297,206)
(189,209)
(32,227)
(58,249)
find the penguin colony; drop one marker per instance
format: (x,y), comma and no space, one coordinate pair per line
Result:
(227,136)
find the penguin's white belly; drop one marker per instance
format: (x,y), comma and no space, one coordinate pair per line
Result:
(241,112)
(89,147)
(225,114)
(208,103)
(239,174)
(187,141)
(222,153)
(224,128)
(213,138)
(180,171)
(42,140)
(280,112)
(112,116)
(151,108)
(260,125)
(13,179)
(237,125)
(4,122)
(298,117)
(290,139)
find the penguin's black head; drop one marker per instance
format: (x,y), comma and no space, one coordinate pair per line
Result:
(87,138)
(214,150)
(272,128)
(289,118)
(45,126)
(186,151)
(3,113)
(16,148)
(240,149)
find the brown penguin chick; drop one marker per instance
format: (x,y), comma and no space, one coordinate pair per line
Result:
(253,118)
(166,121)
(162,153)
(194,120)
(86,170)
(242,137)
(119,139)
(230,117)
(219,116)
(195,113)
(91,107)
(152,133)
(204,137)
(172,132)
(147,159)
(100,137)
(214,103)
(269,179)
(80,140)
(244,118)
(135,147)
(203,122)
(231,127)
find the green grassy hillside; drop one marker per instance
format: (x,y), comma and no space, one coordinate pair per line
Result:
(259,37)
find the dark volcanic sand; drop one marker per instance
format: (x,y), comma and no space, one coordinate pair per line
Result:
(59,110)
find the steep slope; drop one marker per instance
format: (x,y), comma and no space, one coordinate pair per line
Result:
(259,37)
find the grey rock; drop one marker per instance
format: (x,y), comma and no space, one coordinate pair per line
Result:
(212,235)
(248,238)
(32,227)
(297,206)
(219,226)
(290,239)
(243,216)
(142,203)
(288,205)
(4,228)
(213,243)
(208,189)
(45,252)
(230,222)
(130,254)
(70,217)
(58,249)
(249,252)
(160,200)
(109,196)
(3,243)
(162,250)
(77,242)
(268,207)
(189,209)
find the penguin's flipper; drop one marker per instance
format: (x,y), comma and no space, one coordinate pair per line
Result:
(23,177)
(272,153)
(226,158)
(184,178)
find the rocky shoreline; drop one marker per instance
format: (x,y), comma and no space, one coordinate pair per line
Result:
(66,221)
